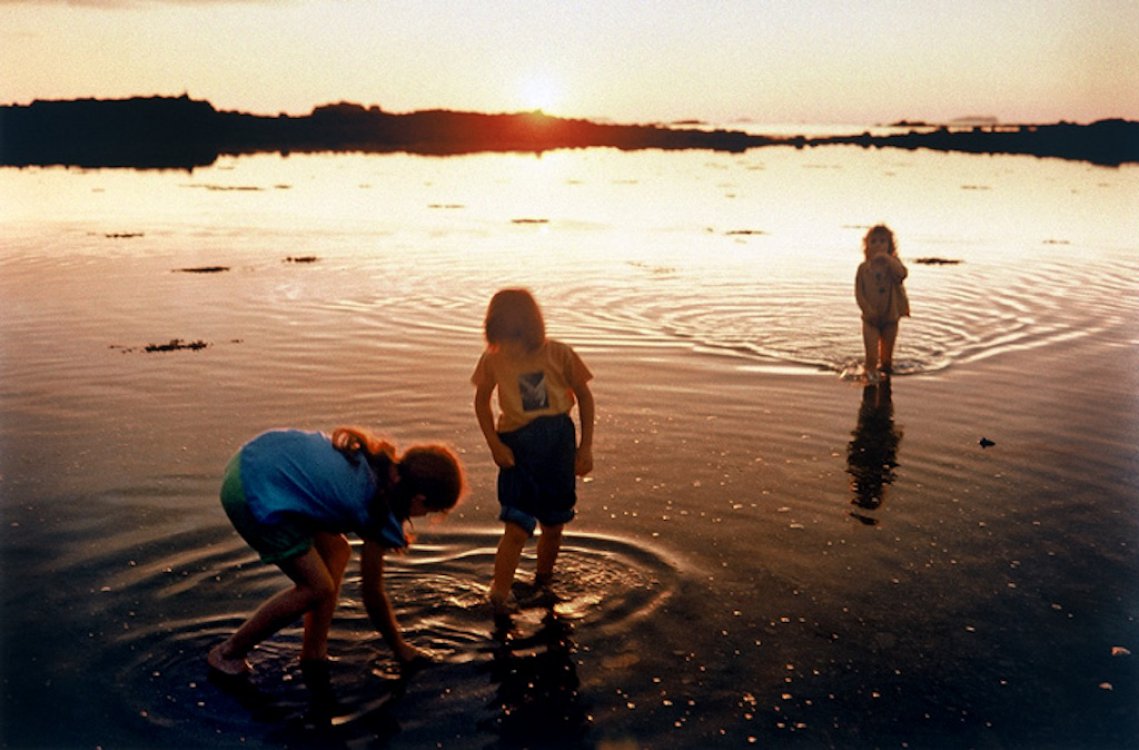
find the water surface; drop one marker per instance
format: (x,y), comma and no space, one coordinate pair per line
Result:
(765,553)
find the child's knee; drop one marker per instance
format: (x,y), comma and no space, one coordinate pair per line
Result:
(515,533)
(318,594)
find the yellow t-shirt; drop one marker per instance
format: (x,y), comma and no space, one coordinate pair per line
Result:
(537,384)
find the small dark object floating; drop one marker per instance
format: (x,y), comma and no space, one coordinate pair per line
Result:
(301,259)
(937,261)
(175,345)
(204,269)
(985,442)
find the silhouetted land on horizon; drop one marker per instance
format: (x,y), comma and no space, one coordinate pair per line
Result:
(183,133)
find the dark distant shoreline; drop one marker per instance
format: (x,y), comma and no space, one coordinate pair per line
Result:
(184,133)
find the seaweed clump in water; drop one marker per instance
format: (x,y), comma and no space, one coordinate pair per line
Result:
(937,261)
(204,269)
(175,345)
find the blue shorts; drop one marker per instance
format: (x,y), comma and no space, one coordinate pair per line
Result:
(541,486)
(275,542)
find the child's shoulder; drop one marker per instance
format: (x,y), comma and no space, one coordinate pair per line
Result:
(555,347)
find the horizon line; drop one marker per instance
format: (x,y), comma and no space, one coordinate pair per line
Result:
(962,121)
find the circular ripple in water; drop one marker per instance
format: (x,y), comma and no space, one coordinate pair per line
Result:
(201,591)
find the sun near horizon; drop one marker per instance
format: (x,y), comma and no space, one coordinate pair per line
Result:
(814,62)
(540,92)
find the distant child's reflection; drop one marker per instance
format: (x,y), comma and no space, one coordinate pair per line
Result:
(537,699)
(872,453)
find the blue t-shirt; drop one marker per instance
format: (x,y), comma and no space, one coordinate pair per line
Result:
(291,472)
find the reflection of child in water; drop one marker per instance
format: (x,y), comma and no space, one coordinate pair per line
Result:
(537,687)
(533,440)
(872,454)
(881,297)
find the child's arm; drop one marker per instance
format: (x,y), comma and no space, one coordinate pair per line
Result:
(586,409)
(503,456)
(378,605)
(897,269)
(859,293)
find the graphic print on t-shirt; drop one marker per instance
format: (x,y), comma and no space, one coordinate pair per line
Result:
(532,386)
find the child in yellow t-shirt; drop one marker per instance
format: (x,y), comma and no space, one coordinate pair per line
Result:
(533,439)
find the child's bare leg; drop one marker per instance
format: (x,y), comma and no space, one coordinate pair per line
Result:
(549,544)
(334,550)
(506,561)
(870,340)
(312,585)
(886,345)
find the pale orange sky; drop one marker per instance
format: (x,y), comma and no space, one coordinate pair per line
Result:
(778,61)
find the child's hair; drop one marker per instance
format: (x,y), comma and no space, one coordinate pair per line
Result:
(433,471)
(879,229)
(514,315)
(356,441)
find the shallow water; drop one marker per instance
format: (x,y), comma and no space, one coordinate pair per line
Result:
(719,586)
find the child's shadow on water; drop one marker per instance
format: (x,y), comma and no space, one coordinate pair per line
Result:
(872,454)
(536,700)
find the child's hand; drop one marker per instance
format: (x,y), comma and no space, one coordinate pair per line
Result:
(583,461)
(503,456)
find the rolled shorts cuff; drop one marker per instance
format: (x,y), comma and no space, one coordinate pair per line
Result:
(529,522)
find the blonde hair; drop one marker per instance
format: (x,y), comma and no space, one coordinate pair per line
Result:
(882,230)
(514,315)
(433,471)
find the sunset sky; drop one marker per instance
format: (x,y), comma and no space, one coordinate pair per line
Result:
(779,61)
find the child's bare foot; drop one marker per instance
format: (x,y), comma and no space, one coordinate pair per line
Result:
(229,666)
(503,604)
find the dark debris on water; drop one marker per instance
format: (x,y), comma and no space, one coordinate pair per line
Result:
(176,345)
(937,261)
(172,345)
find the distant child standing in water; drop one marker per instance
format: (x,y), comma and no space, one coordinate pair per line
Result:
(882,299)
(533,440)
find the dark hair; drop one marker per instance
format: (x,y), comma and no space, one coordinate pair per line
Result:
(433,471)
(514,315)
(354,442)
